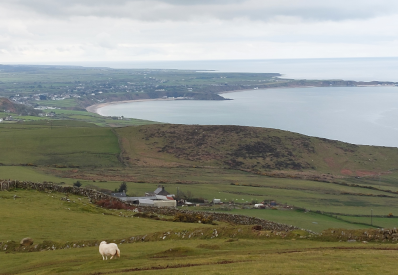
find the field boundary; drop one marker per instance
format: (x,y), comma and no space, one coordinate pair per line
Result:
(95,195)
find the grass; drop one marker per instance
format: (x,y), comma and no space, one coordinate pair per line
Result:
(58,144)
(253,149)
(187,257)
(311,195)
(98,119)
(30,174)
(377,221)
(313,221)
(43,216)
(78,143)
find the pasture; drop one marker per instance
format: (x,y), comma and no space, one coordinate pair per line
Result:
(58,143)
(45,217)
(209,184)
(218,256)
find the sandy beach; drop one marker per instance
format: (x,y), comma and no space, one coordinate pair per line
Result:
(94,108)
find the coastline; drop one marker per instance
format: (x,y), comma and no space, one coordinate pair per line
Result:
(94,108)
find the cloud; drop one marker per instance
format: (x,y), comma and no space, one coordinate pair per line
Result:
(195,29)
(190,10)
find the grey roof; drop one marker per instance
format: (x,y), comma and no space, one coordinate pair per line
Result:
(119,194)
(160,191)
(137,198)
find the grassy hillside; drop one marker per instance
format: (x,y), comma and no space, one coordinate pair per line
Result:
(239,164)
(251,149)
(48,219)
(62,143)
(259,150)
(44,216)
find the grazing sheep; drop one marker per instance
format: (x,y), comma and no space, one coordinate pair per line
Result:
(108,249)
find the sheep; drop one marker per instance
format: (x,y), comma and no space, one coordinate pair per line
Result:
(108,249)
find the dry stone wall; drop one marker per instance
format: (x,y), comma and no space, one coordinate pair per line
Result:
(95,195)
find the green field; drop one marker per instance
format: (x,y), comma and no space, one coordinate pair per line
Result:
(58,143)
(46,218)
(30,174)
(211,257)
(43,216)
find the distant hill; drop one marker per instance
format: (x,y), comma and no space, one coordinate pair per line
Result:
(9,106)
(259,150)
(263,151)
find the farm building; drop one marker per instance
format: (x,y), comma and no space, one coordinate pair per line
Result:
(160,198)
(159,191)
(157,200)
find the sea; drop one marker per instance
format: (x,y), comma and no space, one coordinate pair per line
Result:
(358,115)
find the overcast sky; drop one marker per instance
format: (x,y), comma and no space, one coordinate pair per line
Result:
(138,30)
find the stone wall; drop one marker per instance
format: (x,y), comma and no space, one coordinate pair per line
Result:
(224,217)
(95,195)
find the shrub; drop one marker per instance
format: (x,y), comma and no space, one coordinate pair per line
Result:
(122,187)
(146,215)
(193,218)
(113,204)
(77,184)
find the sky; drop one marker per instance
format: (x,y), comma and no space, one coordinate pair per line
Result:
(143,30)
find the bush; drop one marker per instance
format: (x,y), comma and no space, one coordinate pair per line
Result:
(122,187)
(113,204)
(146,215)
(77,184)
(193,218)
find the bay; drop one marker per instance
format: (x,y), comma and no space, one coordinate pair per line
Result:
(358,115)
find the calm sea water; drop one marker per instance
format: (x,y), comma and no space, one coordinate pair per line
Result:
(359,115)
(366,115)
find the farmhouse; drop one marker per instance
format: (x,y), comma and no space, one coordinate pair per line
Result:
(159,191)
(160,198)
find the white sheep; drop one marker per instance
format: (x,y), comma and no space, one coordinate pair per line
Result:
(108,249)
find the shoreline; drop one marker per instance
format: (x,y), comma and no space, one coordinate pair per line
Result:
(94,108)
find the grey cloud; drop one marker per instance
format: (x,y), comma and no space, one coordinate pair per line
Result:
(188,10)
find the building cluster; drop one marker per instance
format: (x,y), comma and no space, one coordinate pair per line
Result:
(7,118)
(160,198)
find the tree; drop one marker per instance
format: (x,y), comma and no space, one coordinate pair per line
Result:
(77,184)
(123,187)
